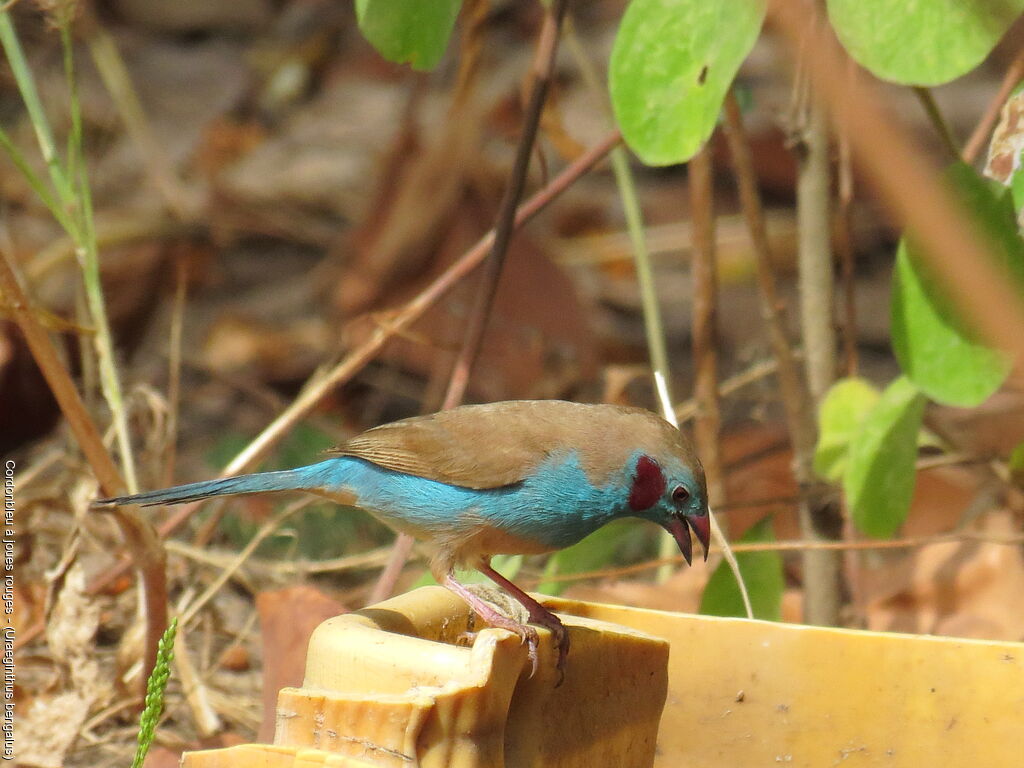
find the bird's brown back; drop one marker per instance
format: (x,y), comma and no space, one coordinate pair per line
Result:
(499,444)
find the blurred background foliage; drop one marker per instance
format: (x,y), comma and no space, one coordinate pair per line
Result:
(211,204)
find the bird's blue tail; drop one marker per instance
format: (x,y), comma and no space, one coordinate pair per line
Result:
(288,480)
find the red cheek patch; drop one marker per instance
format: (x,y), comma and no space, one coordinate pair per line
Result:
(648,484)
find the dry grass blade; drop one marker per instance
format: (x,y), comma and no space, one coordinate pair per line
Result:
(147,552)
(265,530)
(708,419)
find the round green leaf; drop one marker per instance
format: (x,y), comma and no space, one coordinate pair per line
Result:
(762,573)
(921,42)
(936,350)
(671,66)
(879,481)
(408,31)
(844,408)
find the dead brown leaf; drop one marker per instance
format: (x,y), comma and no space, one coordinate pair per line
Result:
(963,589)
(50,724)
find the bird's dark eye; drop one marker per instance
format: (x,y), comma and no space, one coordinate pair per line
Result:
(680,494)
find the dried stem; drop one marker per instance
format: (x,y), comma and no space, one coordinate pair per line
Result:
(931,109)
(268,528)
(111,67)
(844,244)
(543,66)
(174,368)
(1014,74)
(799,418)
(147,553)
(814,254)
(913,542)
(820,517)
(384,587)
(760,370)
(321,386)
(708,420)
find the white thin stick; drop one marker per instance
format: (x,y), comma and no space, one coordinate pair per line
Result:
(669,412)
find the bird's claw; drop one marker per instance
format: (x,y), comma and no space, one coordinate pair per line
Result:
(559,634)
(527,636)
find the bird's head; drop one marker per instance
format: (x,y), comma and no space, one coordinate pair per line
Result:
(673,494)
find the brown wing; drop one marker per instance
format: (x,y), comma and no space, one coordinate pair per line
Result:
(499,444)
(474,446)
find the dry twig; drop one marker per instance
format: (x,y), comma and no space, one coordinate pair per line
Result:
(146,550)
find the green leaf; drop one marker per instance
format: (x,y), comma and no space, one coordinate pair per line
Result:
(936,350)
(671,66)
(156,686)
(762,572)
(408,31)
(921,42)
(879,481)
(840,416)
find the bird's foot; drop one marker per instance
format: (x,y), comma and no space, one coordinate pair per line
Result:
(538,615)
(494,617)
(527,635)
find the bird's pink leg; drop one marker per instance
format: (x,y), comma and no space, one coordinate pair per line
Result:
(538,613)
(494,617)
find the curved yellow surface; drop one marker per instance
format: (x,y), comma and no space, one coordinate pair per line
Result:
(390,687)
(754,693)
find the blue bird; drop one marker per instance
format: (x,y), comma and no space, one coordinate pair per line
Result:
(517,477)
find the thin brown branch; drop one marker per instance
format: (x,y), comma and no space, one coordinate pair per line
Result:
(942,129)
(543,66)
(118,82)
(300,568)
(384,587)
(708,420)
(814,254)
(820,517)
(799,418)
(321,386)
(912,542)
(847,255)
(174,368)
(688,410)
(146,551)
(462,369)
(794,394)
(1014,74)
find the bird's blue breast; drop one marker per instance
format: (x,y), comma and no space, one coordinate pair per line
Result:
(556,505)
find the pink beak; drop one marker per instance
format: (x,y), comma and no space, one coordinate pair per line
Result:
(680,527)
